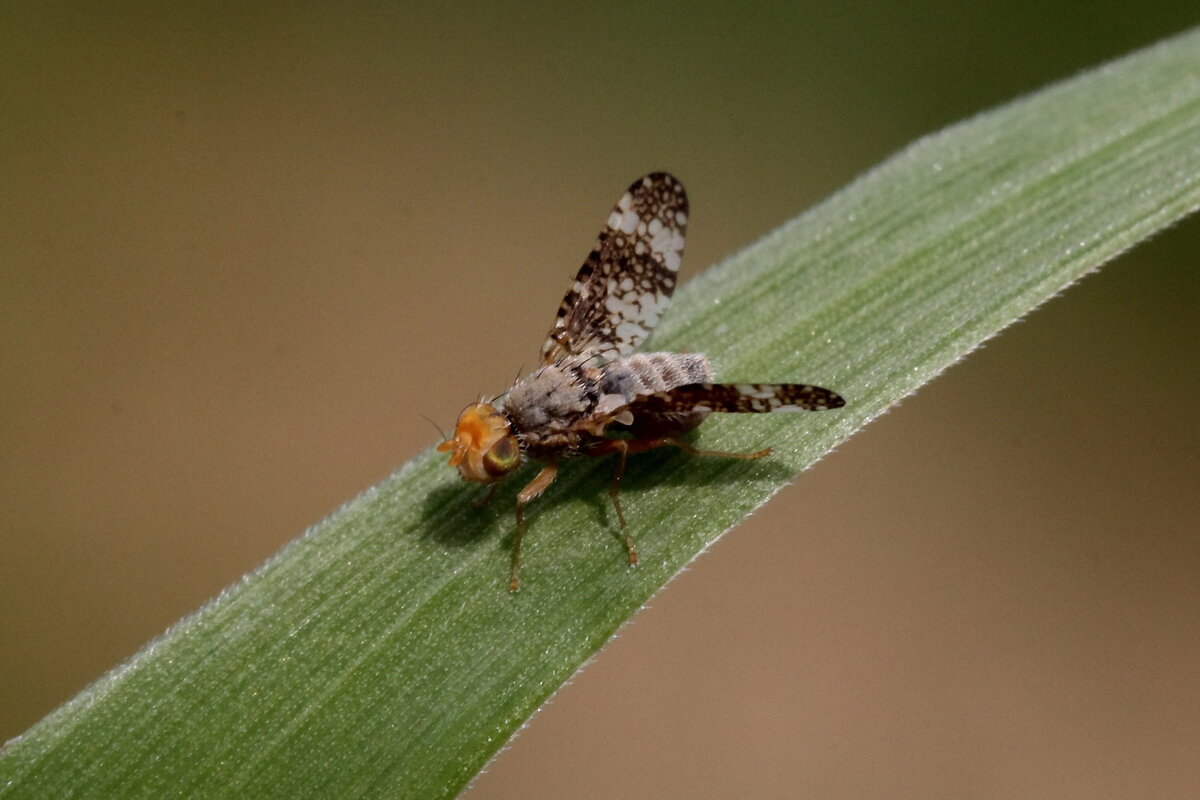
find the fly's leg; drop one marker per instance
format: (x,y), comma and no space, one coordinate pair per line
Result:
(623,447)
(626,446)
(534,488)
(687,448)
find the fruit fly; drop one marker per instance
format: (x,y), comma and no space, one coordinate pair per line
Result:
(593,394)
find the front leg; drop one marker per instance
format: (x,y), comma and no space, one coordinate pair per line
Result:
(534,488)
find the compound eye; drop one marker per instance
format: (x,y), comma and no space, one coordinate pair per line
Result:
(503,457)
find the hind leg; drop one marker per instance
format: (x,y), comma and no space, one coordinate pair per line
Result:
(623,447)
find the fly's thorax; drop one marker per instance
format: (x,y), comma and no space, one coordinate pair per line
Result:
(650,373)
(485,447)
(551,398)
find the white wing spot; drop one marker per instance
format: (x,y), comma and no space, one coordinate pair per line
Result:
(615,305)
(751,390)
(661,242)
(628,330)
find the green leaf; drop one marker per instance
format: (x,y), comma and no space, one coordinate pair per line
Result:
(381,655)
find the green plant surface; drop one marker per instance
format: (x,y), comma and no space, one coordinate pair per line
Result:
(381,655)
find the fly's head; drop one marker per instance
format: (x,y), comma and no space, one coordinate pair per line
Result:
(483,447)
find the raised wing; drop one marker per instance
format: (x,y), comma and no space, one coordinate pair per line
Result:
(627,280)
(754,398)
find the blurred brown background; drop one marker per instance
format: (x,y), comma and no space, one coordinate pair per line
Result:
(242,252)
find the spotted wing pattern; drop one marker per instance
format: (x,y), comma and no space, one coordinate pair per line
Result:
(627,280)
(737,398)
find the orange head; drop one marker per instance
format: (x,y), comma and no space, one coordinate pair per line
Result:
(485,448)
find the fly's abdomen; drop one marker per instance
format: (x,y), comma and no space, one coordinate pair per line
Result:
(650,373)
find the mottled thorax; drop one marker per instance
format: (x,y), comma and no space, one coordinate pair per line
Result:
(549,398)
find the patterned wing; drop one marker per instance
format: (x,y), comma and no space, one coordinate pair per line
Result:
(628,278)
(754,398)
